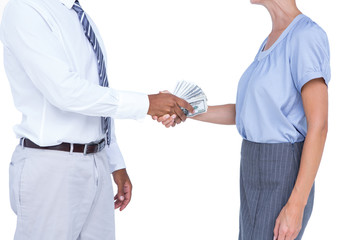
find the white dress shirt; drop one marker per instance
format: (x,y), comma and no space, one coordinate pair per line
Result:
(52,70)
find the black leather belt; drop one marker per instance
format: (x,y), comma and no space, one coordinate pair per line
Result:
(68,147)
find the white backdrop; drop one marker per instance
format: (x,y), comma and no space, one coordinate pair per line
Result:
(186,179)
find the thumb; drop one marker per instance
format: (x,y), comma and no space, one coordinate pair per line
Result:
(120,194)
(165,91)
(182,103)
(119,197)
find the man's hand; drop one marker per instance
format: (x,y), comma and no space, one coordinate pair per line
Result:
(167,103)
(123,196)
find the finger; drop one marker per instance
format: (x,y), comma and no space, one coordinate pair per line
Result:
(154,117)
(116,197)
(117,202)
(172,122)
(128,193)
(168,121)
(168,125)
(120,196)
(163,118)
(178,120)
(276,229)
(185,104)
(124,203)
(180,114)
(293,236)
(289,237)
(165,91)
(282,234)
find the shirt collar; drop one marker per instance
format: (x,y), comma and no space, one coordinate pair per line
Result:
(68,3)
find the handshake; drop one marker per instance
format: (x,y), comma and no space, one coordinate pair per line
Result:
(188,100)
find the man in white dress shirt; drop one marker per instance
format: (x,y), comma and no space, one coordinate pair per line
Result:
(60,186)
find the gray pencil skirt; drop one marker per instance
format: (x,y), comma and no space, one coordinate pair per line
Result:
(268,172)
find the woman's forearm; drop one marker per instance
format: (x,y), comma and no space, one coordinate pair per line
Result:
(309,165)
(221,114)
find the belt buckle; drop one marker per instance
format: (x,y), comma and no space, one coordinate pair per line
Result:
(98,146)
(85,149)
(22,142)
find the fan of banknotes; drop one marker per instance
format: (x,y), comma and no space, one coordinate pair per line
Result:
(194,95)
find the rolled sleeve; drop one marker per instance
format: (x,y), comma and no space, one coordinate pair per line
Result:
(310,56)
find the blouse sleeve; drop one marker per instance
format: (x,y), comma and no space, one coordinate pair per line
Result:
(309,56)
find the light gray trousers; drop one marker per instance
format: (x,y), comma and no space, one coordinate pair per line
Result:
(61,196)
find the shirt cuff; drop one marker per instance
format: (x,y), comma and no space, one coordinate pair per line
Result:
(132,105)
(115,158)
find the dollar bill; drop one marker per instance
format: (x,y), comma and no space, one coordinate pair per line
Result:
(194,95)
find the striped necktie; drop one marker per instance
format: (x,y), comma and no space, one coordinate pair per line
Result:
(103,81)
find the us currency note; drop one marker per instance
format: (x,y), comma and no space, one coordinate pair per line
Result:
(194,95)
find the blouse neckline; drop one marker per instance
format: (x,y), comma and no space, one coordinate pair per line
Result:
(264,53)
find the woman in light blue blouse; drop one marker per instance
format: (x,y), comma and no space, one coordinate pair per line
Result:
(281,112)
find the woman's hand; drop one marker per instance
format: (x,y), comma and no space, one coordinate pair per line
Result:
(289,222)
(166,120)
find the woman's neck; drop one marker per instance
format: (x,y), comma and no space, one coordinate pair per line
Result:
(282,13)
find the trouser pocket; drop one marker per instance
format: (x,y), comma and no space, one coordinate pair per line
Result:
(15,172)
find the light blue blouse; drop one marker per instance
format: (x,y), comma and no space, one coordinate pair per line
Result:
(269,105)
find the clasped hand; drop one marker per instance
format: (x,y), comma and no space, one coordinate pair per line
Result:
(166,108)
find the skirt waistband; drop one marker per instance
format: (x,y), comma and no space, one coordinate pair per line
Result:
(274,144)
(271,150)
